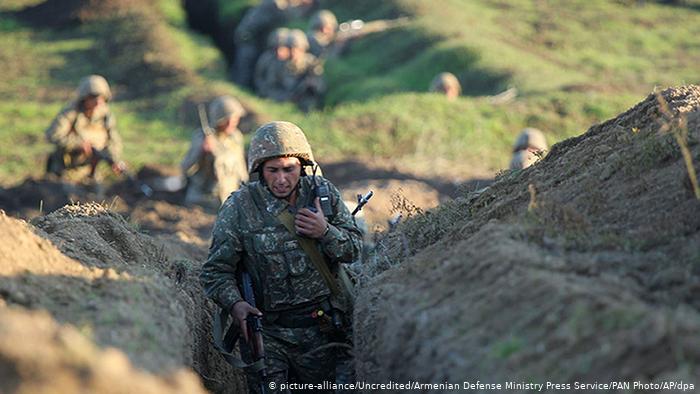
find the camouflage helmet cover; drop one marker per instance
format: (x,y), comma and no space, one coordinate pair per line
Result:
(530,138)
(323,18)
(278,139)
(444,80)
(94,85)
(297,39)
(278,37)
(222,108)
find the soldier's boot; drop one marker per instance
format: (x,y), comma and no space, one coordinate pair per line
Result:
(54,164)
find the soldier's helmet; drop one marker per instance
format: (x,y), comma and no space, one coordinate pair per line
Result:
(297,39)
(278,139)
(530,138)
(323,18)
(94,85)
(443,81)
(278,37)
(222,108)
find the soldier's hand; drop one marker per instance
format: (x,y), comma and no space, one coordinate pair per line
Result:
(208,144)
(86,147)
(309,223)
(118,167)
(240,312)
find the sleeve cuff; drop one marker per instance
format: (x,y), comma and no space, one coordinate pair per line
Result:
(331,234)
(231,300)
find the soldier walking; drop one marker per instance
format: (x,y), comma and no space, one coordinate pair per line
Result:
(266,228)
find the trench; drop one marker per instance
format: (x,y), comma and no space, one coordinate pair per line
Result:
(203,16)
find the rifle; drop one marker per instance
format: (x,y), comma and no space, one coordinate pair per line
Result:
(104,155)
(254,328)
(357,28)
(362,201)
(203,121)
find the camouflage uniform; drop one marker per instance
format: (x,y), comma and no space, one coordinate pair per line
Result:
(445,81)
(218,173)
(318,41)
(254,28)
(302,77)
(528,148)
(288,287)
(71,128)
(269,67)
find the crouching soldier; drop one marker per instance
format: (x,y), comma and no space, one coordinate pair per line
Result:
(303,73)
(271,64)
(290,242)
(84,133)
(215,163)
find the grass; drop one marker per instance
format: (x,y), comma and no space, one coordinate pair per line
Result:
(573,65)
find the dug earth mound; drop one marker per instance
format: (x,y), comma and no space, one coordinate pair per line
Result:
(583,268)
(88,267)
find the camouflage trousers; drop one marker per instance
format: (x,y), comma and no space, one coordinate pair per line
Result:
(303,356)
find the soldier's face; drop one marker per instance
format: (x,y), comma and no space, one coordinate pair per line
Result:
(282,175)
(282,53)
(297,53)
(91,102)
(451,92)
(229,125)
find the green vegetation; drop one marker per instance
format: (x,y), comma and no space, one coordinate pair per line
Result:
(573,64)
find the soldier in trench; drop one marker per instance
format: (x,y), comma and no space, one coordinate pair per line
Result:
(528,148)
(253,30)
(84,133)
(277,231)
(446,83)
(215,163)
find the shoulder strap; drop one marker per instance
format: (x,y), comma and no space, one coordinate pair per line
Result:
(74,123)
(314,254)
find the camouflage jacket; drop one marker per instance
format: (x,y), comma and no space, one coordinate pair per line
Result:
(269,76)
(248,233)
(318,43)
(71,128)
(226,161)
(302,75)
(260,20)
